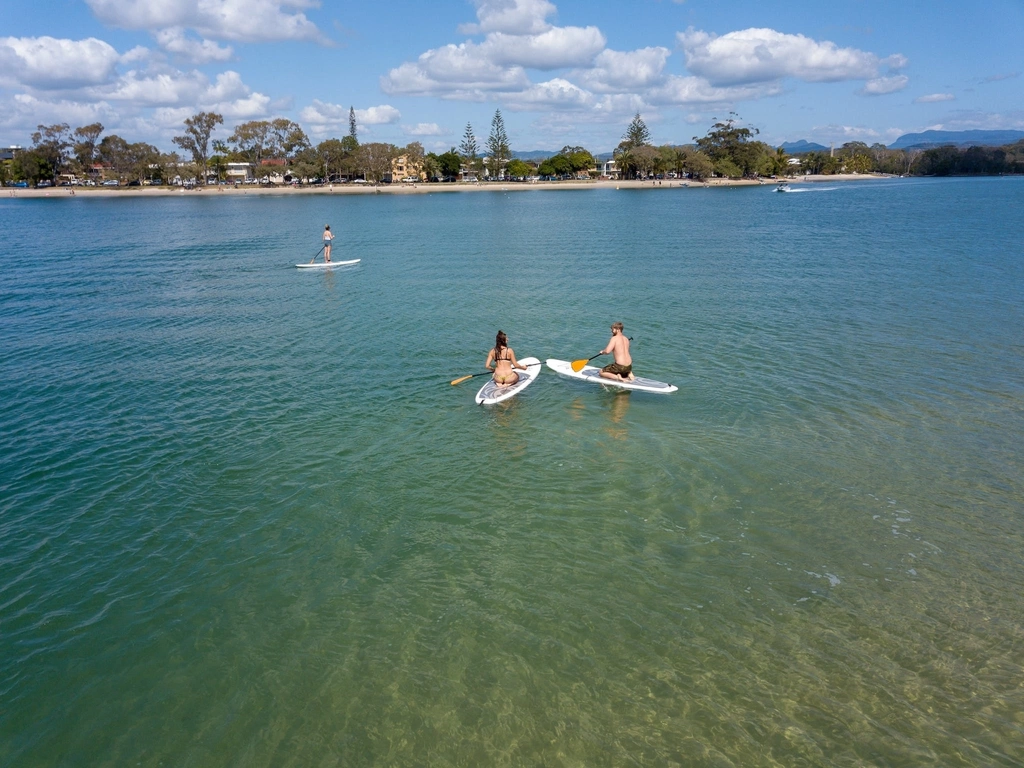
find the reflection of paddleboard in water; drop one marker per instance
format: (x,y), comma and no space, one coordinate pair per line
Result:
(593,375)
(490,393)
(328,264)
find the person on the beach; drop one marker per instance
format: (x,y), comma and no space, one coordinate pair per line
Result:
(504,360)
(622,368)
(327,242)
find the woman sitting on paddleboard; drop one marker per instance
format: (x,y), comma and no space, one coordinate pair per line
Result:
(504,360)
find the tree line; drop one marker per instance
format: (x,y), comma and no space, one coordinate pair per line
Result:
(58,150)
(729,149)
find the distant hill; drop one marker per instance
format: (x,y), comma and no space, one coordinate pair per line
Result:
(929,139)
(801,147)
(535,154)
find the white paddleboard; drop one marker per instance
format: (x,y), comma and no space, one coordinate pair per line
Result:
(490,393)
(592,374)
(328,264)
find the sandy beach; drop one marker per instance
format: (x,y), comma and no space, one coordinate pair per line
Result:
(414,189)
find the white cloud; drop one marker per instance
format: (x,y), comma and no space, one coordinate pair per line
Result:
(761,55)
(228,87)
(163,89)
(174,88)
(382,115)
(323,116)
(616,71)
(424,129)
(971,119)
(841,134)
(514,17)
(556,48)
(24,112)
(517,38)
(136,54)
(880,86)
(682,91)
(174,40)
(932,98)
(553,94)
(237,20)
(48,63)
(451,70)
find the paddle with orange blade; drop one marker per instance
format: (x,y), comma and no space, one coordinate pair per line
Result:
(577,365)
(472,375)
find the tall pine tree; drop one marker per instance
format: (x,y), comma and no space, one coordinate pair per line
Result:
(497,146)
(352,124)
(468,148)
(637,134)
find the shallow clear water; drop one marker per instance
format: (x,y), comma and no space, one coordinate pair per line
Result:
(245,520)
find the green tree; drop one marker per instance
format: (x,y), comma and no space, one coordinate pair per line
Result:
(780,163)
(450,164)
(113,152)
(820,163)
(559,166)
(331,154)
(728,141)
(645,159)
(352,126)
(287,138)
(636,134)
(498,150)
(166,166)
(349,162)
(626,153)
(251,140)
(219,163)
(144,161)
(375,160)
(580,160)
(856,157)
(469,149)
(196,140)
(518,169)
(30,166)
(725,167)
(85,147)
(414,158)
(698,165)
(51,143)
(431,166)
(306,164)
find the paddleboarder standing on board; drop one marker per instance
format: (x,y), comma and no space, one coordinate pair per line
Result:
(622,368)
(328,237)
(504,360)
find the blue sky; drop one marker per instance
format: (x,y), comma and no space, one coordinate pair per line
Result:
(561,72)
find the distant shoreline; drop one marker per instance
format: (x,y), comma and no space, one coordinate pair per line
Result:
(414,189)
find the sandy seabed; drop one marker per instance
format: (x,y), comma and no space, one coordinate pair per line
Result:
(415,189)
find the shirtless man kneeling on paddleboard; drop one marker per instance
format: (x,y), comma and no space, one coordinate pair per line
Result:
(622,368)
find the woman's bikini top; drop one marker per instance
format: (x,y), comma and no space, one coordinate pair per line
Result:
(500,359)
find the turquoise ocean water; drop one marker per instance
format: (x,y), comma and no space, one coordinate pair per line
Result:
(245,520)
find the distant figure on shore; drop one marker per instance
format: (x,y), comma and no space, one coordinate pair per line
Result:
(504,360)
(618,345)
(328,237)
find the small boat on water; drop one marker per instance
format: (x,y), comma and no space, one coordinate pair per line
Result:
(783,187)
